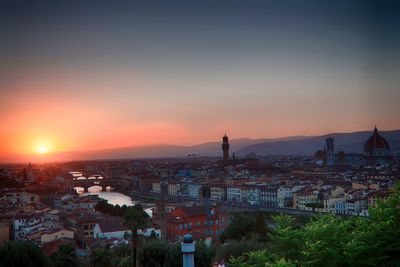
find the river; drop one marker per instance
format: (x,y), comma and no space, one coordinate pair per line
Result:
(113,198)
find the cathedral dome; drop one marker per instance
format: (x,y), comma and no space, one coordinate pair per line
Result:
(376,145)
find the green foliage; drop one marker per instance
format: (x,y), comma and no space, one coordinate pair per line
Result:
(235,248)
(157,253)
(176,259)
(135,216)
(245,233)
(203,255)
(125,262)
(245,225)
(121,251)
(324,241)
(286,240)
(121,256)
(260,227)
(335,241)
(64,257)
(258,259)
(20,253)
(101,258)
(241,225)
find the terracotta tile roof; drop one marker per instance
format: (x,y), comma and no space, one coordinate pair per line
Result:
(194,211)
(112,226)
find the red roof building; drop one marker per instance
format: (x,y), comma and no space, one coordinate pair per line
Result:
(202,223)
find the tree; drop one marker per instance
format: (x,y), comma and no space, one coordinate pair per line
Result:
(176,256)
(259,226)
(235,248)
(121,251)
(258,259)
(135,217)
(203,254)
(64,257)
(121,256)
(378,242)
(242,224)
(101,258)
(125,262)
(21,253)
(334,241)
(324,240)
(286,238)
(156,253)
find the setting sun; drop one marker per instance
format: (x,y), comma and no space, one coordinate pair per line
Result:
(42,150)
(43,146)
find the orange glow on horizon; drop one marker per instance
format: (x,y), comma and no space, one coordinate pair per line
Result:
(42,150)
(84,119)
(43,146)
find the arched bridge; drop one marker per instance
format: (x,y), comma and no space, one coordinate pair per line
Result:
(93,180)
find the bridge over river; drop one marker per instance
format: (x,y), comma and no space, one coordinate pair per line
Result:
(78,180)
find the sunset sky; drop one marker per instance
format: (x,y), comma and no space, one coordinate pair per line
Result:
(102,74)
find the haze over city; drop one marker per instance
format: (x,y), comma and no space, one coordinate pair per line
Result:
(90,76)
(199,133)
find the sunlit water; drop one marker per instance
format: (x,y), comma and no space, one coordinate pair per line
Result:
(113,198)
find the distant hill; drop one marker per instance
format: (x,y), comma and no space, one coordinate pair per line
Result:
(293,145)
(348,142)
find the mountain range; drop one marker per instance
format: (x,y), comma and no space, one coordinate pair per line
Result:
(294,145)
(347,142)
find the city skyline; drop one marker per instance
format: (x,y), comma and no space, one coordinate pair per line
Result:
(204,133)
(86,77)
(352,142)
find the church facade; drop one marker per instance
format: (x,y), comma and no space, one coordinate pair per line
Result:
(376,152)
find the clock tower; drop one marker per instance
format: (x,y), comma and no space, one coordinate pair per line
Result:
(225,147)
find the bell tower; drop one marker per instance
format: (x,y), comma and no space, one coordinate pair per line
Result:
(225,147)
(330,152)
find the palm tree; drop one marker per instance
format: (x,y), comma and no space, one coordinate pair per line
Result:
(136,218)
